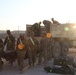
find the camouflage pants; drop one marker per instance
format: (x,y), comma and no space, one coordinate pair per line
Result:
(20,61)
(40,57)
(49,53)
(43,54)
(32,56)
(1,64)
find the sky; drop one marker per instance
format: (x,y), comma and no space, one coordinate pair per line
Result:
(15,14)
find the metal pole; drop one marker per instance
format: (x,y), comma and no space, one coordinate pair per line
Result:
(18,29)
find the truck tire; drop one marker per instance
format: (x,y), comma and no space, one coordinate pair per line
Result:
(64,48)
(56,50)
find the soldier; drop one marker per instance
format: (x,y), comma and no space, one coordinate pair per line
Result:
(45,49)
(41,49)
(36,29)
(32,52)
(21,49)
(54,21)
(1,49)
(49,46)
(47,24)
(9,41)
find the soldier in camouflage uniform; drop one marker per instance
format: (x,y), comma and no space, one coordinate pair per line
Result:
(1,49)
(47,24)
(9,41)
(36,29)
(21,49)
(41,49)
(32,52)
(49,48)
(54,21)
(45,49)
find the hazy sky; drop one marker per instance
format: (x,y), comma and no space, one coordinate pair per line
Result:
(18,13)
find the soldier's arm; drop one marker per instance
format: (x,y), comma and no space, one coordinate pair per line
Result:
(13,40)
(17,43)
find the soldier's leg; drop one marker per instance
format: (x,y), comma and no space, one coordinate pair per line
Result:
(18,59)
(49,54)
(45,56)
(30,61)
(30,57)
(34,55)
(1,64)
(40,57)
(21,64)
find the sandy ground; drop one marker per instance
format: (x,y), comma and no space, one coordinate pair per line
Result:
(36,70)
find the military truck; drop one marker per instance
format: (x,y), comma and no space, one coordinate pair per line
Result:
(64,32)
(63,35)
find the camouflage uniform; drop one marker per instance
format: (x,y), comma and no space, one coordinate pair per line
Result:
(45,49)
(47,24)
(49,48)
(36,29)
(21,52)
(1,49)
(32,51)
(9,42)
(55,22)
(40,52)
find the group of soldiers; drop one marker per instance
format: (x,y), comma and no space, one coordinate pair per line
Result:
(31,46)
(36,26)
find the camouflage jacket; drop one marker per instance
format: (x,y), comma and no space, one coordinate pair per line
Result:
(33,42)
(1,46)
(10,42)
(46,43)
(25,45)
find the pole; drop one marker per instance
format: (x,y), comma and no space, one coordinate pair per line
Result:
(18,29)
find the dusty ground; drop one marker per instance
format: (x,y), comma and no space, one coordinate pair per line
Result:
(37,70)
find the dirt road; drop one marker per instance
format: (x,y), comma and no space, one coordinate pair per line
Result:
(37,70)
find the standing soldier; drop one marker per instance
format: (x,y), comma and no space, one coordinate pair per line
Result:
(45,45)
(21,49)
(9,41)
(32,52)
(1,49)
(49,45)
(41,50)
